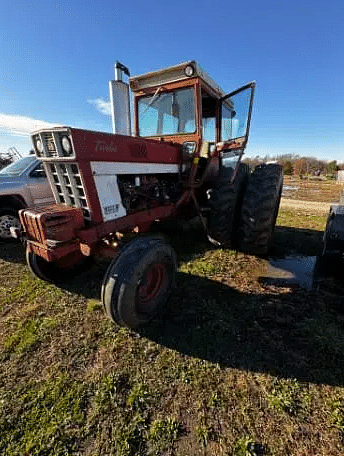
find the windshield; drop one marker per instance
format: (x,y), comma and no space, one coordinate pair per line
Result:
(169,113)
(18,167)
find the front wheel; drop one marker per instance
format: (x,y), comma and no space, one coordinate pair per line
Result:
(8,218)
(139,281)
(68,267)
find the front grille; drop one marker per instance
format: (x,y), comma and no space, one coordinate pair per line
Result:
(68,185)
(49,143)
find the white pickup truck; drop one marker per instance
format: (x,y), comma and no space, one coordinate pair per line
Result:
(22,184)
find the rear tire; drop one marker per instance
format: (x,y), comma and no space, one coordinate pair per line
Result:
(260,209)
(224,202)
(139,281)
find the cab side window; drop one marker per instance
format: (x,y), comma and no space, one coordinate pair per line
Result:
(38,171)
(208,117)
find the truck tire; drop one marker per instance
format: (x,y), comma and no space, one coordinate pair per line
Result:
(56,273)
(260,208)
(8,217)
(224,203)
(139,281)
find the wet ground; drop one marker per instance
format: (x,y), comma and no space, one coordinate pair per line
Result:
(307,272)
(291,271)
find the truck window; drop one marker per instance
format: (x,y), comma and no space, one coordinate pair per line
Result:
(18,167)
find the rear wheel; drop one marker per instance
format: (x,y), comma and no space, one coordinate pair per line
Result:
(260,208)
(68,267)
(8,218)
(139,281)
(224,202)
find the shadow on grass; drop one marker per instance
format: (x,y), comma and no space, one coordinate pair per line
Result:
(12,251)
(296,241)
(295,335)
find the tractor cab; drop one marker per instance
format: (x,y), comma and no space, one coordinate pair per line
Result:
(183,104)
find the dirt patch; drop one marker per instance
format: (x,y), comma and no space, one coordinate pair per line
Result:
(309,206)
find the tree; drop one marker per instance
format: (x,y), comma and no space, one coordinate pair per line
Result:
(300,167)
(287,167)
(332,167)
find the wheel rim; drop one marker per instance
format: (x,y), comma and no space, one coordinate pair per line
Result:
(6,222)
(153,283)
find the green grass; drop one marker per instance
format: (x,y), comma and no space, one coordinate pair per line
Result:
(233,366)
(45,417)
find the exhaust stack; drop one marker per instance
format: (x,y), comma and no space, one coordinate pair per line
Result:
(120,101)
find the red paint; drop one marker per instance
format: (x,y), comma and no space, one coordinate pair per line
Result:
(95,146)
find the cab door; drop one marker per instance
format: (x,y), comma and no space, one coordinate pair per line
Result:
(235,111)
(39,186)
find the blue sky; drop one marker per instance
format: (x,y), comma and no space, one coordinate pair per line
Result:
(57,58)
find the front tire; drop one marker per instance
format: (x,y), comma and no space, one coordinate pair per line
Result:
(70,266)
(260,209)
(8,218)
(139,281)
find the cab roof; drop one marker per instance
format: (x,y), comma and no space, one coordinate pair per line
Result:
(180,72)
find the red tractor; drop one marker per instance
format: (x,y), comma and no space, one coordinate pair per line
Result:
(183,161)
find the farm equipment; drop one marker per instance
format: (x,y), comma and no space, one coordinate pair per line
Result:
(333,240)
(183,161)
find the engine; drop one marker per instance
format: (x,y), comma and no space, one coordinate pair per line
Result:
(147,191)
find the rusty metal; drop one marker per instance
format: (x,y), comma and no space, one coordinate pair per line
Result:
(56,223)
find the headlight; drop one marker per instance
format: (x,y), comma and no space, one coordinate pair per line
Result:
(39,146)
(189,70)
(66,146)
(188,148)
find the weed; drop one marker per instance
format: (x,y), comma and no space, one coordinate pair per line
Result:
(216,400)
(130,439)
(93,305)
(111,390)
(245,446)
(138,397)
(202,434)
(284,395)
(337,415)
(162,434)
